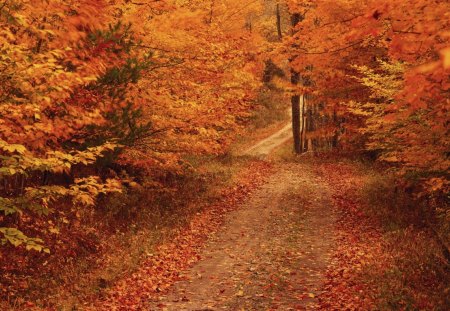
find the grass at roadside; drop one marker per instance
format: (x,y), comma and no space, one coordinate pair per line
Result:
(111,242)
(124,229)
(387,256)
(419,274)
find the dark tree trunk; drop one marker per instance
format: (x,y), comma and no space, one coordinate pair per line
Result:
(335,140)
(295,99)
(295,102)
(280,35)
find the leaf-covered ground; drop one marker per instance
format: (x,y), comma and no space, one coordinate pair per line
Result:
(271,253)
(357,242)
(294,241)
(164,267)
(287,235)
(290,235)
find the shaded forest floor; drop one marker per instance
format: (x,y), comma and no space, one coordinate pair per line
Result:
(272,252)
(304,239)
(284,233)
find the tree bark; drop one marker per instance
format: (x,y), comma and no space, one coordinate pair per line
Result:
(295,102)
(335,139)
(304,121)
(280,35)
(295,99)
(211,10)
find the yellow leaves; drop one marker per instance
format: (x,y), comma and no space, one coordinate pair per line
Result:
(53,230)
(12,148)
(85,190)
(34,59)
(16,238)
(240,293)
(8,171)
(386,84)
(197,104)
(360,109)
(21,19)
(201,80)
(83,193)
(22,160)
(445,54)
(390,158)
(7,34)
(44,65)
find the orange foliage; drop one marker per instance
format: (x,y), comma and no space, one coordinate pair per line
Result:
(383,66)
(140,84)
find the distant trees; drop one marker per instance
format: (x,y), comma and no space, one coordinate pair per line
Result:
(87,87)
(379,75)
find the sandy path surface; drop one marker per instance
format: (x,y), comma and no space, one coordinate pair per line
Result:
(271,253)
(269,144)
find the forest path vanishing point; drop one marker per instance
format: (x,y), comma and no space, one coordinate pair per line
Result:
(271,253)
(264,147)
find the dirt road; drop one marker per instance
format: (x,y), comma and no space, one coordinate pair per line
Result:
(271,253)
(267,145)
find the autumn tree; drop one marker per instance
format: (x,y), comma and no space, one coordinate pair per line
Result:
(379,52)
(95,86)
(198,90)
(380,76)
(48,59)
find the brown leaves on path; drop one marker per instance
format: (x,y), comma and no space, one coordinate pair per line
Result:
(270,254)
(160,270)
(358,241)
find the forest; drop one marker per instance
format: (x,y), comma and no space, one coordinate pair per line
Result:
(224,155)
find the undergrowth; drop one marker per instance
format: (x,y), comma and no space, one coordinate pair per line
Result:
(413,273)
(88,255)
(269,115)
(272,106)
(122,230)
(419,274)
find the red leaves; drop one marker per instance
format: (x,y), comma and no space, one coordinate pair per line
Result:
(160,270)
(358,241)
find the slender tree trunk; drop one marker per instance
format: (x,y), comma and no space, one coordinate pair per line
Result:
(22,184)
(303,124)
(280,35)
(335,139)
(313,126)
(295,102)
(295,99)
(211,11)
(310,127)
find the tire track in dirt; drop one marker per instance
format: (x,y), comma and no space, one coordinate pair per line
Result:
(271,253)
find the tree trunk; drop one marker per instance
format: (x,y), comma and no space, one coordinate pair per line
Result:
(280,35)
(295,102)
(211,10)
(335,139)
(303,123)
(295,99)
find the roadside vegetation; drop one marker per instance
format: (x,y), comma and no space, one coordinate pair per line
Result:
(124,126)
